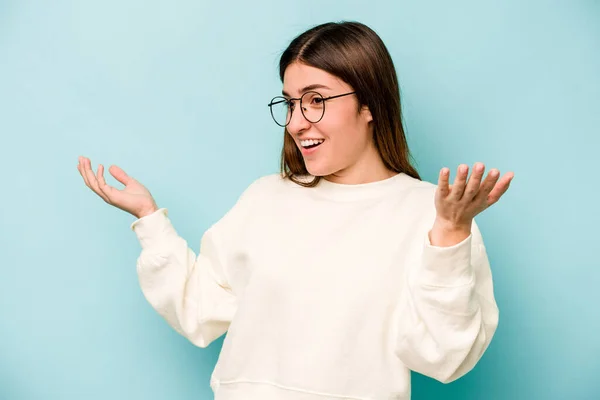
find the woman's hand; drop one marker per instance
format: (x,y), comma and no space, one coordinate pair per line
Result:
(458,204)
(134,198)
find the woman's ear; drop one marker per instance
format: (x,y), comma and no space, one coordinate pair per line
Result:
(366,113)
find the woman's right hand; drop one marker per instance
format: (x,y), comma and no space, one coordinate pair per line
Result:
(134,198)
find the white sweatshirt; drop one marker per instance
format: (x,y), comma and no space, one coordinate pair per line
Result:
(326,293)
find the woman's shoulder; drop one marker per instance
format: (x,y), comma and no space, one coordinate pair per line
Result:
(264,185)
(267,182)
(417,187)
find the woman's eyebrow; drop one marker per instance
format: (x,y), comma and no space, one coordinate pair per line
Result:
(307,88)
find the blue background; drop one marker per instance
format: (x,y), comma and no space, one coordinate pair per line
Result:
(175,93)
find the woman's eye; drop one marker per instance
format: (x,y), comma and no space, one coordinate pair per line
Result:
(316,101)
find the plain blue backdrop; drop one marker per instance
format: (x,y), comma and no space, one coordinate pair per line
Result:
(176,94)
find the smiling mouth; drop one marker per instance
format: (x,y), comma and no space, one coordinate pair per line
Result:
(310,143)
(312,146)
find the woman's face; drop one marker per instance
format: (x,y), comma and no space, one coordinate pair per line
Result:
(347,139)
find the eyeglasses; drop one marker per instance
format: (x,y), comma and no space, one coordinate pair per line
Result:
(312,106)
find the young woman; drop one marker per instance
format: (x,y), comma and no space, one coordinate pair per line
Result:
(338,276)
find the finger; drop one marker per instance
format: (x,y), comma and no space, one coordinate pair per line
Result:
(500,188)
(458,187)
(120,175)
(487,186)
(490,181)
(474,182)
(106,189)
(443,188)
(87,171)
(81,169)
(92,180)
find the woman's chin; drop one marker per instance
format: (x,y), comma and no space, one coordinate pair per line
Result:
(318,170)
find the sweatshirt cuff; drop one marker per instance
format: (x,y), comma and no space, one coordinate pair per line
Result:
(446,266)
(154,230)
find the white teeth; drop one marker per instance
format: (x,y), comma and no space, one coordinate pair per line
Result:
(306,143)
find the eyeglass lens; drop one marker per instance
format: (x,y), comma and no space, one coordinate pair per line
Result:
(313,108)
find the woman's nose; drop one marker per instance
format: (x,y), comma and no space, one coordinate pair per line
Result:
(297,122)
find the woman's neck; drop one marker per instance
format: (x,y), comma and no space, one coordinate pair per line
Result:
(368,168)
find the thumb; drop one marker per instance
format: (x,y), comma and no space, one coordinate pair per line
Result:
(120,175)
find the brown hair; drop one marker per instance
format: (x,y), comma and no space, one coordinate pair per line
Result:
(354,53)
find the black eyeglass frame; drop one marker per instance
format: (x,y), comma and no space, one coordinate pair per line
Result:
(281,99)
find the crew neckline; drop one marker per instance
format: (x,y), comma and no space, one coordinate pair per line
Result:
(359,191)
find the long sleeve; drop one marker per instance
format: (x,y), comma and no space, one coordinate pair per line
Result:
(191,292)
(448,314)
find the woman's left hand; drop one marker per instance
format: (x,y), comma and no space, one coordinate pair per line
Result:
(458,204)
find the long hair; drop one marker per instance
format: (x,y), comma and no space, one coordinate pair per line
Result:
(354,53)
